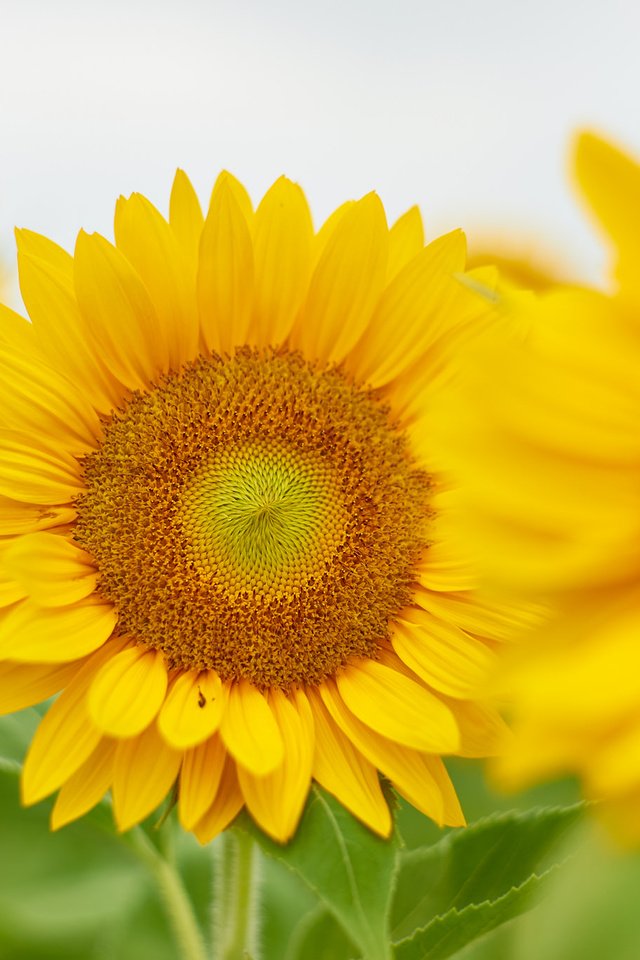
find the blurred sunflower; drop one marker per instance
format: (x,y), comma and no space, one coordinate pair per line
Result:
(225,535)
(523,263)
(552,456)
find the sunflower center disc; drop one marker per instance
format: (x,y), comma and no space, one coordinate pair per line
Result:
(255,515)
(264,519)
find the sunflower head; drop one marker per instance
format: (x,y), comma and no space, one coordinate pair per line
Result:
(226,535)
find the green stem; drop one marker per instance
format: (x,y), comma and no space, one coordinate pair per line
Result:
(174,897)
(234,918)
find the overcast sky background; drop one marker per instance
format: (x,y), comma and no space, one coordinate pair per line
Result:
(462,106)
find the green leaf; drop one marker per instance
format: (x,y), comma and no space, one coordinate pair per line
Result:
(449,933)
(350,869)
(318,937)
(479,863)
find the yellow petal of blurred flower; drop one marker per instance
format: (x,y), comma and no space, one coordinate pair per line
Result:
(550,455)
(525,263)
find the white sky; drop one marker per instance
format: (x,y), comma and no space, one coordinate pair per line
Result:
(464,106)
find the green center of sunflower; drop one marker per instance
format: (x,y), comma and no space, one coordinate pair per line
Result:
(255,515)
(262,518)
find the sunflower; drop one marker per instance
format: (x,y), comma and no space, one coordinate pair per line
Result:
(225,533)
(552,463)
(522,262)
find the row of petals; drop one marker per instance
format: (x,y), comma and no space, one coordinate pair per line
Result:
(305,737)
(213,787)
(132,686)
(168,289)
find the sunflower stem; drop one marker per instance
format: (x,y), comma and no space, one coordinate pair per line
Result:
(175,899)
(235,914)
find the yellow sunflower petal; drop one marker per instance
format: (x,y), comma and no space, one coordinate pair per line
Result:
(227,804)
(483,732)
(193,708)
(49,296)
(345,773)
(36,245)
(19,518)
(283,249)
(127,692)
(487,276)
(397,707)
(406,320)
(441,654)
(345,285)
(65,738)
(36,474)
(225,273)
(597,664)
(10,593)
(10,590)
(23,684)
(452,814)
(118,312)
(328,228)
(610,181)
(457,316)
(86,787)
(200,776)
(145,769)
(151,247)
(615,766)
(227,181)
(445,568)
(275,800)
(250,731)
(53,571)
(55,755)
(33,634)
(486,617)
(185,218)
(406,240)
(15,331)
(408,769)
(541,750)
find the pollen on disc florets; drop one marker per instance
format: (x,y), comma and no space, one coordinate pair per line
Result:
(256,515)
